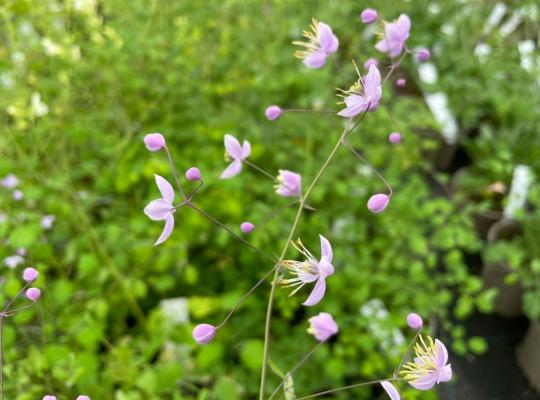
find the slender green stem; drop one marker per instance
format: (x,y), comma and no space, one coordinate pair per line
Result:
(413,341)
(173,169)
(339,389)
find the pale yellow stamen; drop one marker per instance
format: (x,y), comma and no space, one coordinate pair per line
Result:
(426,354)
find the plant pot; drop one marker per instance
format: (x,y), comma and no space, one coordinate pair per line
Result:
(509,301)
(528,355)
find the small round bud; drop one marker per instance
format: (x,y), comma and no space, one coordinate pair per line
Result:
(204,333)
(414,321)
(370,62)
(394,137)
(33,294)
(247,227)
(273,112)
(423,55)
(401,82)
(154,141)
(30,274)
(193,174)
(368,16)
(49,397)
(378,202)
(83,397)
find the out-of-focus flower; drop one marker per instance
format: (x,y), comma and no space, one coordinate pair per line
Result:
(47,221)
(21,251)
(10,182)
(289,183)
(49,397)
(237,154)
(247,227)
(423,55)
(368,16)
(162,209)
(39,108)
(320,45)
(390,390)
(13,261)
(33,294)
(18,195)
(193,174)
(83,397)
(378,203)
(363,95)
(30,274)
(401,82)
(430,365)
(273,112)
(395,35)
(154,141)
(204,333)
(394,138)
(310,270)
(322,326)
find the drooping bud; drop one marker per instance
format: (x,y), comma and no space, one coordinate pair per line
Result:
(30,274)
(423,55)
(247,227)
(193,174)
(49,397)
(414,321)
(394,138)
(33,294)
(154,141)
(368,16)
(273,112)
(204,333)
(83,397)
(401,82)
(378,202)
(369,62)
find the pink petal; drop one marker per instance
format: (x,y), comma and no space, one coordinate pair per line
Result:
(158,209)
(165,188)
(372,79)
(233,169)
(232,145)
(315,60)
(167,230)
(246,150)
(306,277)
(391,390)
(425,382)
(442,355)
(445,374)
(382,46)
(326,249)
(327,40)
(317,293)
(404,25)
(353,110)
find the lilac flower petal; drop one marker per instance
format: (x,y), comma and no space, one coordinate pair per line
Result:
(307,277)
(326,249)
(165,188)
(442,354)
(355,105)
(157,210)
(372,81)
(425,382)
(232,145)
(167,230)
(382,45)
(325,268)
(246,150)
(322,326)
(445,374)
(233,169)
(317,293)
(327,40)
(315,60)
(390,390)
(404,25)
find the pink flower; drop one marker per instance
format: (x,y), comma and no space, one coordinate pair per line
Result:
(401,82)
(394,137)
(321,44)
(237,153)
(423,55)
(363,95)
(13,261)
(322,326)
(430,365)
(204,333)
(49,397)
(18,195)
(47,221)
(414,321)
(290,183)
(310,270)
(154,141)
(193,174)
(9,182)
(378,203)
(390,390)
(273,112)
(395,35)
(368,16)
(162,209)
(369,62)
(30,274)
(83,397)
(33,294)
(247,227)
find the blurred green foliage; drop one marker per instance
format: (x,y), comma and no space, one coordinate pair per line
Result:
(82,81)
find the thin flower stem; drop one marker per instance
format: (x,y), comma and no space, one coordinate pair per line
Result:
(296,366)
(336,64)
(262,171)
(301,110)
(230,231)
(394,66)
(344,388)
(411,344)
(361,158)
(274,213)
(245,296)
(175,174)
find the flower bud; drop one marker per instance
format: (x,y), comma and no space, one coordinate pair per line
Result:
(247,227)
(368,16)
(423,55)
(154,141)
(394,137)
(33,294)
(414,321)
(273,112)
(322,326)
(30,274)
(401,82)
(83,397)
(204,333)
(378,202)
(369,62)
(193,174)
(49,397)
